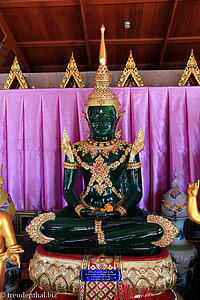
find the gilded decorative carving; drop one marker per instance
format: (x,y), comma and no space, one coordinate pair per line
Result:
(33,229)
(79,208)
(170,230)
(55,274)
(102,95)
(121,209)
(154,275)
(130,76)
(6,203)
(191,72)
(99,232)
(100,169)
(138,145)
(72,72)
(15,73)
(62,275)
(95,148)
(66,146)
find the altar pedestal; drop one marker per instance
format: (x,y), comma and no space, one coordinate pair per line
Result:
(60,273)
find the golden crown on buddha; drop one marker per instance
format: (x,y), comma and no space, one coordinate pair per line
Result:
(102,95)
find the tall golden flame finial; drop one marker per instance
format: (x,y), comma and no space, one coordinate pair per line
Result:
(102,52)
(102,95)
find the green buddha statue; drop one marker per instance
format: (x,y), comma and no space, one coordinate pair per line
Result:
(106,218)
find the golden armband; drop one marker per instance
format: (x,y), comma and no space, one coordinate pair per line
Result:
(71,166)
(78,208)
(132,166)
(121,209)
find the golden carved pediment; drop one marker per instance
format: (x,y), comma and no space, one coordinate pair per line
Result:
(191,74)
(16,79)
(130,76)
(72,77)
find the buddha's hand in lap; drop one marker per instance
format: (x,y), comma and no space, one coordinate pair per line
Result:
(100,215)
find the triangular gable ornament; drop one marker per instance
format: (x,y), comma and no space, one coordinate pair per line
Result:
(130,76)
(16,79)
(72,77)
(191,74)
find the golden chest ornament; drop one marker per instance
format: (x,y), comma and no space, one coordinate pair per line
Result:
(104,148)
(100,169)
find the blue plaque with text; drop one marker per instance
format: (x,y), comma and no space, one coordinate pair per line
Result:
(101,275)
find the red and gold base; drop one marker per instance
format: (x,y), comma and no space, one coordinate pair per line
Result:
(60,274)
(43,295)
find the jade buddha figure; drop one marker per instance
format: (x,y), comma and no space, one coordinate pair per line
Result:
(105,219)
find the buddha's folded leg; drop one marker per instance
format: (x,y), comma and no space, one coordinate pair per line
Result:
(74,227)
(137,234)
(70,228)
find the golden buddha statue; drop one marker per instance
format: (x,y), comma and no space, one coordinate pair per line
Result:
(8,244)
(192,208)
(6,203)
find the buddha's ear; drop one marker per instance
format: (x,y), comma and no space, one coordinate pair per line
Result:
(85,116)
(118,119)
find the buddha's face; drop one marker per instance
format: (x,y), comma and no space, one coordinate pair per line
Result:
(102,121)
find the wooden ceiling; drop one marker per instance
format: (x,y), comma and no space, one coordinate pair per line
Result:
(43,34)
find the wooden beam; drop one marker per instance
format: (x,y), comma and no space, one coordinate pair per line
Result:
(38,44)
(168,31)
(111,2)
(136,41)
(12,43)
(77,43)
(85,32)
(51,3)
(184,39)
(36,3)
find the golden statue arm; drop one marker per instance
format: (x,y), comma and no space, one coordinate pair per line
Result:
(13,250)
(7,232)
(192,209)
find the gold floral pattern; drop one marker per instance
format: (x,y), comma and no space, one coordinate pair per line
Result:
(156,275)
(121,209)
(100,173)
(95,148)
(170,230)
(132,166)
(99,231)
(33,229)
(71,166)
(100,169)
(78,208)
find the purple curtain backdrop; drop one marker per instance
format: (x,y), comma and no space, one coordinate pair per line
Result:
(32,123)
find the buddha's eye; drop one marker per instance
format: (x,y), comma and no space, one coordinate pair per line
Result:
(107,116)
(94,116)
